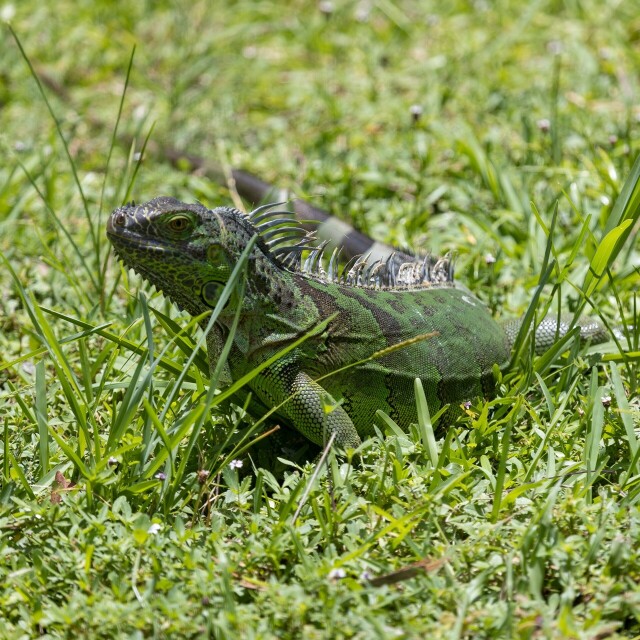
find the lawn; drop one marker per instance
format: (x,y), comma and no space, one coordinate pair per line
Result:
(135,501)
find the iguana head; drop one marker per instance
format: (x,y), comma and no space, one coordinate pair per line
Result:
(186,250)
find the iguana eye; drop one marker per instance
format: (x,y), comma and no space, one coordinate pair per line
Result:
(180,222)
(211,292)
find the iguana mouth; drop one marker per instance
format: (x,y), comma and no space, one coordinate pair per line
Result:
(121,236)
(135,242)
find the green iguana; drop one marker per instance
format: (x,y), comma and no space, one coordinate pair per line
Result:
(188,252)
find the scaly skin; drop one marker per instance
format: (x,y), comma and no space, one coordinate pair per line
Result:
(188,252)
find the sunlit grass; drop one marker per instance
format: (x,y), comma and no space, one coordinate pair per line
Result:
(133,500)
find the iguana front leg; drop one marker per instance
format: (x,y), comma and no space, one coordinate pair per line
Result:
(308,407)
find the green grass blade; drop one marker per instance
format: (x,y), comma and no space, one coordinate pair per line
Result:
(164,362)
(624,411)
(606,253)
(627,204)
(72,165)
(22,479)
(184,344)
(41,418)
(424,424)
(620,225)
(502,469)
(112,145)
(62,228)
(594,435)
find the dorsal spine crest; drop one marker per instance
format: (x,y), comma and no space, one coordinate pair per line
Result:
(285,240)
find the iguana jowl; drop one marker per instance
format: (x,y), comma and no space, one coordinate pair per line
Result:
(188,252)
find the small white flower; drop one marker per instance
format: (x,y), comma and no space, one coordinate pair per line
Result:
(363,12)
(140,112)
(156,527)
(337,574)
(544,124)
(7,12)
(416,112)
(236,464)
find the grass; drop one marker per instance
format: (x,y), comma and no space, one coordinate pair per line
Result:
(507,132)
